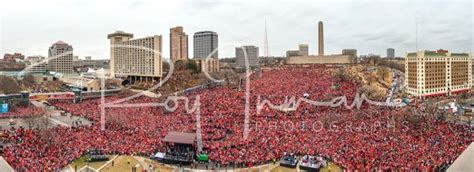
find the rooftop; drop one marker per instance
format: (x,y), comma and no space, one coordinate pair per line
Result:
(60,42)
(119,33)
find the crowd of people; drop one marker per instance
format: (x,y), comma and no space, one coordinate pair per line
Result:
(21,111)
(371,137)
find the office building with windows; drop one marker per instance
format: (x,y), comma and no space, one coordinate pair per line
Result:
(251,52)
(437,73)
(60,56)
(137,59)
(205,44)
(178,44)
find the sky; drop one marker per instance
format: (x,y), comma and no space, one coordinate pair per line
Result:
(370,26)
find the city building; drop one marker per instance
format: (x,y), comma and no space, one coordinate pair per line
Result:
(178,44)
(437,73)
(302,51)
(208,65)
(292,53)
(13,57)
(251,52)
(472,69)
(350,52)
(326,59)
(301,57)
(390,53)
(89,63)
(36,64)
(205,43)
(40,67)
(35,59)
(136,59)
(60,57)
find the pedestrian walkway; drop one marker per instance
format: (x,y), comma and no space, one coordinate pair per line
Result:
(58,117)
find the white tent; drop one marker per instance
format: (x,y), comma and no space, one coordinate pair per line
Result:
(465,161)
(159,155)
(89,70)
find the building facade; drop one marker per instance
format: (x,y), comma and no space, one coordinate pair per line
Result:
(36,64)
(89,63)
(35,59)
(178,44)
(303,50)
(13,57)
(60,57)
(437,73)
(316,59)
(350,52)
(205,43)
(37,68)
(251,53)
(390,53)
(209,65)
(292,53)
(136,59)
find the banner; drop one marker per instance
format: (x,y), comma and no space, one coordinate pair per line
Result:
(4,108)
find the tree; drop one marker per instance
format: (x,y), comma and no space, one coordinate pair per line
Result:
(341,76)
(383,73)
(9,85)
(112,83)
(37,120)
(191,65)
(29,79)
(371,79)
(179,65)
(30,121)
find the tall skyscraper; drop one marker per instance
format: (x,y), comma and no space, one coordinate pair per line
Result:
(390,53)
(137,59)
(320,39)
(205,43)
(60,58)
(178,44)
(251,52)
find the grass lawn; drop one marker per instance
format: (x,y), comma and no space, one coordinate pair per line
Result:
(158,166)
(332,166)
(121,165)
(81,162)
(283,169)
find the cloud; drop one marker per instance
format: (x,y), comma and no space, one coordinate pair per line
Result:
(368,25)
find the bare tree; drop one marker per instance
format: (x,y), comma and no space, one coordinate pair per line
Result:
(341,76)
(9,85)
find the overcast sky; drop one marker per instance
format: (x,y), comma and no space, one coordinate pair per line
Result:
(370,26)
